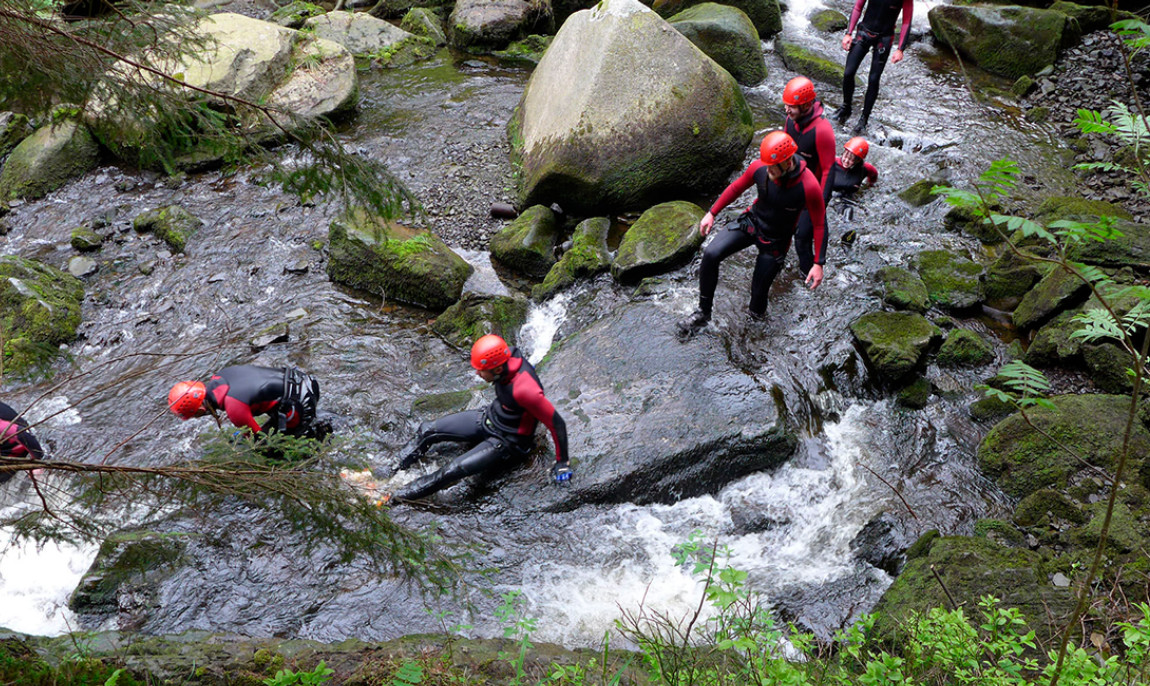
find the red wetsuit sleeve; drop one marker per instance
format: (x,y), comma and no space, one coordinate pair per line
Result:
(825,145)
(240,414)
(907,13)
(737,187)
(871,173)
(857,12)
(818,211)
(530,397)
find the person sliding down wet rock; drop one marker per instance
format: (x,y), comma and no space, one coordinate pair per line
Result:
(847,176)
(875,34)
(503,431)
(287,395)
(815,139)
(16,439)
(786,188)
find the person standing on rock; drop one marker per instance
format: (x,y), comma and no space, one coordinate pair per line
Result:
(875,34)
(786,188)
(815,139)
(849,173)
(502,431)
(288,396)
(16,439)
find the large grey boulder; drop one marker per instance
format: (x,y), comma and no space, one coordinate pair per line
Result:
(495,23)
(640,429)
(622,112)
(254,60)
(664,238)
(47,159)
(727,36)
(1008,41)
(396,262)
(363,34)
(766,15)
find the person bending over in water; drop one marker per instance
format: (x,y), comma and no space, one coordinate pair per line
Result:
(849,173)
(16,439)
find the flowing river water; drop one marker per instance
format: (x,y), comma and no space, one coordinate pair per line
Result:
(440,127)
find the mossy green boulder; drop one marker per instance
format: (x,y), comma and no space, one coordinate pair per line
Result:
(85,239)
(1023,460)
(394,9)
(990,408)
(588,256)
(528,50)
(129,562)
(1010,277)
(172,224)
(665,237)
(1008,41)
(1108,365)
(527,244)
(1044,505)
(953,282)
(810,63)
(39,311)
(894,343)
(766,15)
(438,404)
(918,193)
(915,395)
(1055,343)
(971,568)
(829,21)
(727,36)
(46,160)
(393,261)
(1022,86)
(423,21)
(477,315)
(963,220)
(1056,207)
(14,127)
(368,36)
(1088,18)
(1129,249)
(964,348)
(294,14)
(1126,534)
(1057,291)
(477,25)
(902,289)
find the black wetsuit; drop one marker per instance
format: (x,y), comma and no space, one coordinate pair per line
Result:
(503,430)
(288,396)
(848,181)
(768,225)
(16,440)
(876,31)
(815,138)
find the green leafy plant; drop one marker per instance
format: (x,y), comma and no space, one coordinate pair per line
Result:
(518,627)
(409,673)
(286,677)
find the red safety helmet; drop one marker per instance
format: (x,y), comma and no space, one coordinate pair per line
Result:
(858,146)
(777,147)
(489,352)
(186,398)
(798,91)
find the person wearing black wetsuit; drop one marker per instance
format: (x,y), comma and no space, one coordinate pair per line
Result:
(288,396)
(786,188)
(16,439)
(875,34)
(505,429)
(815,138)
(847,176)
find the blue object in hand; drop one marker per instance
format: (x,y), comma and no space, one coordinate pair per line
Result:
(562,472)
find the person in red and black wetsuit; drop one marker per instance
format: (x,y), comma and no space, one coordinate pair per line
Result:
(16,439)
(848,174)
(815,138)
(786,188)
(503,430)
(288,396)
(875,34)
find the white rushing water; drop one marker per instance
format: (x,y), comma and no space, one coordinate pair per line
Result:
(542,323)
(35,582)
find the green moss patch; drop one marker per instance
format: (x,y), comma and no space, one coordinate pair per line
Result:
(477,315)
(965,348)
(952,282)
(810,63)
(527,244)
(588,256)
(902,289)
(39,311)
(894,342)
(172,224)
(665,237)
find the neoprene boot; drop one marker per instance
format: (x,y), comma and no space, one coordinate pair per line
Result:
(842,114)
(860,126)
(694,323)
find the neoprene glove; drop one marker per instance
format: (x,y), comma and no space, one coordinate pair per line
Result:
(562,472)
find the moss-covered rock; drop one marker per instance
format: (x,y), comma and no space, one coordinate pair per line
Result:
(1055,343)
(915,395)
(172,224)
(1022,86)
(963,220)
(294,14)
(367,36)
(665,237)
(766,15)
(85,239)
(39,311)
(952,282)
(130,563)
(918,193)
(1126,534)
(438,404)
(1057,291)
(902,289)
(476,315)
(1129,249)
(1108,365)
(528,50)
(1044,505)
(1010,277)
(894,342)
(484,24)
(1023,460)
(1088,18)
(527,244)
(588,256)
(1059,207)
(998,531)
(829,21)
(971,568)
(394,261)
(964,348)
(394,9)
(1008,41)
(990,408)
(13,129)
(727,36)
(47,159)
(423,21)
(809,63)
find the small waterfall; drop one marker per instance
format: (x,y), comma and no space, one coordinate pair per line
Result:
(542,323)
